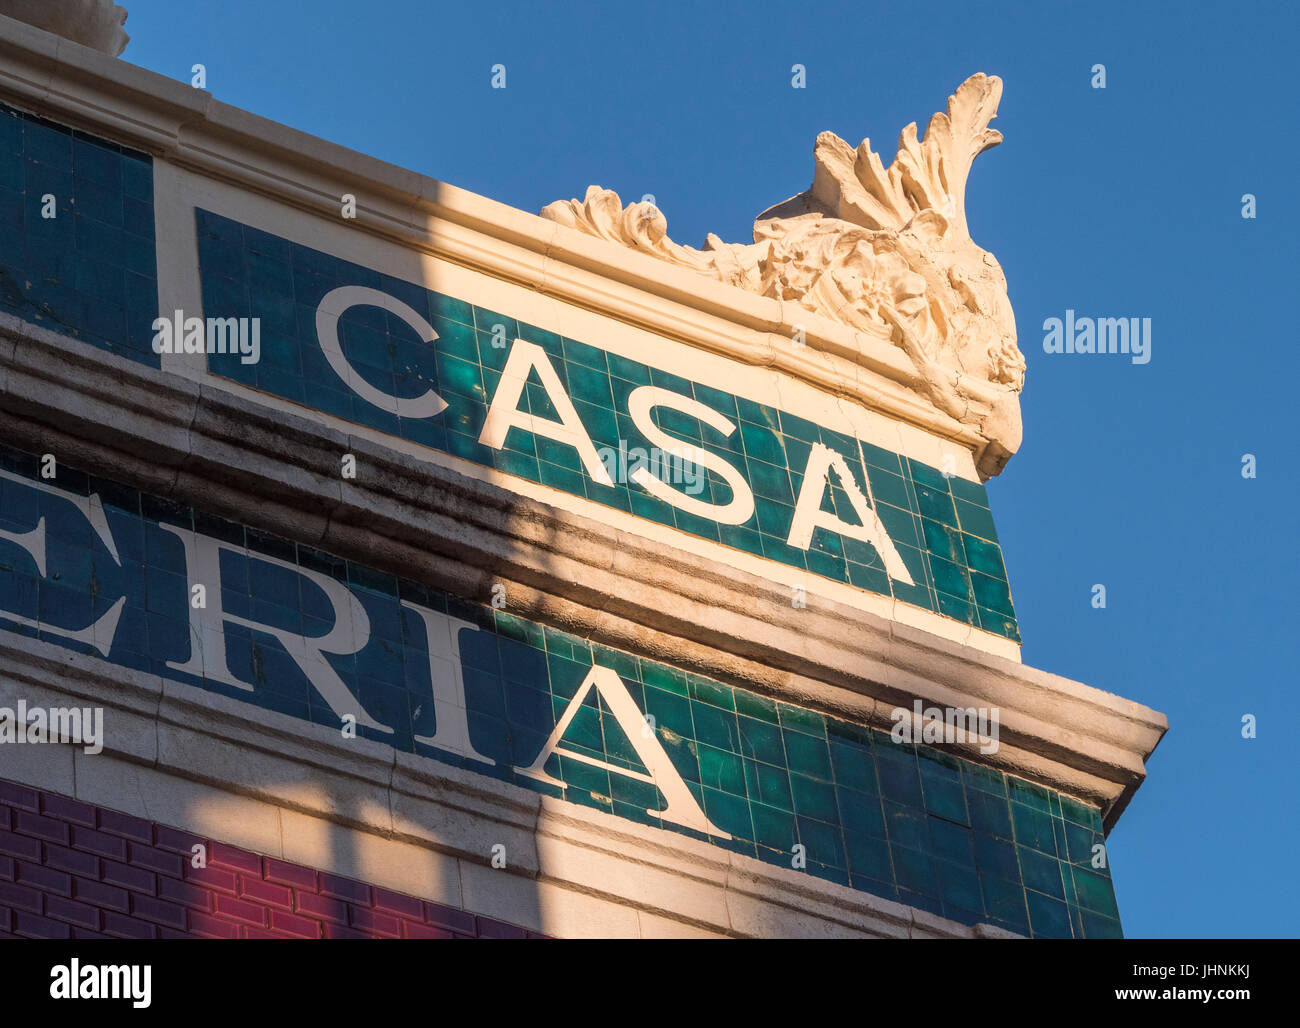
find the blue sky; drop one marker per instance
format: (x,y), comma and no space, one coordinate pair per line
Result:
(1117,202)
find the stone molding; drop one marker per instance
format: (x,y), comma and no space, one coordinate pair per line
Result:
(97,24)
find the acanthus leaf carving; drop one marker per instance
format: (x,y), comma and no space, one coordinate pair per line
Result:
(884,250)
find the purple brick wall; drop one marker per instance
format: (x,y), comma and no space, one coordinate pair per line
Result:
(71,870)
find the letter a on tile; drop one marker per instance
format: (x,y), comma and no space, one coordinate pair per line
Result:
(504,413)
(682,808)
(808,514)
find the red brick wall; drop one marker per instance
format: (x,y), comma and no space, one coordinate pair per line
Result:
(70,870)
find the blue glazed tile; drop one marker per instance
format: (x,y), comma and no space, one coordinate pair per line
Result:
(1041,873)
(861,812)
(814,798)
(1033,828)
(774,829)
(853,766)
(1048,918)
(823,845)
(907,826)
(869,856)
(915,871)
(951,842)
(960,887)
(997,857)
(899,777)
(1004,902)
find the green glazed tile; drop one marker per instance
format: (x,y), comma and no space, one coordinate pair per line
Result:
(729,812)
(992,594)
(758,707)
(1029,794)
(768,785)
(807,754)
(1041,873)
(984,557)
(1033,828)
(717,400)
(762,444)
(878,458)
(1094,892)
(713,693)
(1048,918)
(629,371)
(774,829)
(976,521)
(853,766)
(722,770)
(800,720)
(757,413)
(968,492)
(583,354)
(715,727)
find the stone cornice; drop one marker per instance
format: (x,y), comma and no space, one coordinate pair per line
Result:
(230,454)
(97,24)
(188,127)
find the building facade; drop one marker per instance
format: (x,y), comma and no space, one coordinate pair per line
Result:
(376,559)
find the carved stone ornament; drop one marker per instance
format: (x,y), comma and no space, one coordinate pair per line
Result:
(93,23)
(885,251)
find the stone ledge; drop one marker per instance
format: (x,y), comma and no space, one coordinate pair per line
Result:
(97,24)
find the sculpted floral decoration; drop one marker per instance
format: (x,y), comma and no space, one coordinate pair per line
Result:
(883,250)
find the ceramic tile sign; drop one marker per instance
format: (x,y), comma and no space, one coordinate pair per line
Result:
(157,587)
(571,415)
(704,458)
(77,248)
